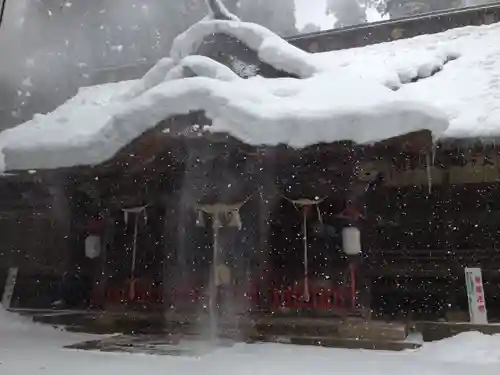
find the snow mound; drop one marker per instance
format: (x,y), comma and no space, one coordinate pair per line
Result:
(12,322)
(466,347)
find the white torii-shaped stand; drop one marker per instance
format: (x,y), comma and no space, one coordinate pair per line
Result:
(304,204)
(137,211)
(232,219)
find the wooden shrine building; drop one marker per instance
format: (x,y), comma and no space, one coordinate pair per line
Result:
(334,228)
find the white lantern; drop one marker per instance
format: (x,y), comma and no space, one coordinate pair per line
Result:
(351,240)
(92,246)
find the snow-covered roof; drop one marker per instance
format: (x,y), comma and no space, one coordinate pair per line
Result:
(364,95)
(466,80)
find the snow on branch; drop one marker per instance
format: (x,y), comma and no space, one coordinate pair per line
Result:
(152,78)
(269,47)
(219,12)
(167,70)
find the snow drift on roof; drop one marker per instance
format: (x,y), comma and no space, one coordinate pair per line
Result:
(457,71)
(332,102)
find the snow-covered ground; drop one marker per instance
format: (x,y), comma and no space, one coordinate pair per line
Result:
(26,348)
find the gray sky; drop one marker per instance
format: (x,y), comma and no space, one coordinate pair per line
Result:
(314,11)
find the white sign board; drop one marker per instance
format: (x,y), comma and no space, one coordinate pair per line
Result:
(475,294)
(8,290)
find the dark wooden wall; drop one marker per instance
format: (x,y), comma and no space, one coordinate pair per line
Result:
(31,216)
(417,246)
(34,221)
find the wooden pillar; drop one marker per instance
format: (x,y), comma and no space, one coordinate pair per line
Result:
(60,190)
(63,235)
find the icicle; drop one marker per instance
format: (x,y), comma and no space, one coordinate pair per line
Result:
(145,216)
(429,166)
(306,265)
(125,217)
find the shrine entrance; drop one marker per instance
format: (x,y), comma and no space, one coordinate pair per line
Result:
(134,258)
(309,272)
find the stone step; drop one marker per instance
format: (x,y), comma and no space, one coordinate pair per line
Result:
(185,345)
(337,342)
(265,326)
(61,318)
(155,344)
(145,323)
(349,328)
